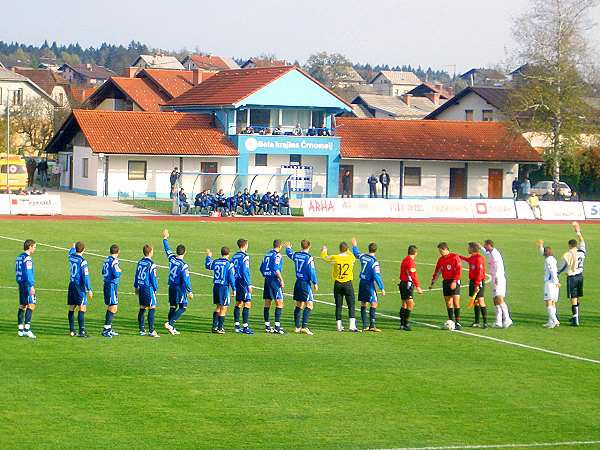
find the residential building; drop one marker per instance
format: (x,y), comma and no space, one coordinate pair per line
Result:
(50,81)
(15,89)
(484,77)
(406,107)
(479,104)
(85,74)
(254,63)
(394,82)
(430,89)
(157,62)
(209,62)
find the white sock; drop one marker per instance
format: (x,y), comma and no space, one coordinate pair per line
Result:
(554,318)
(552,314)
(237,324)
(504,309)
(267,324)
(21,326)
(27,326)
(277,324)
(339,324)
(498,313)
(352,323)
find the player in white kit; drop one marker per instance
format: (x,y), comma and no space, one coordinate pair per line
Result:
(551,284)
(572,263)
(496,271)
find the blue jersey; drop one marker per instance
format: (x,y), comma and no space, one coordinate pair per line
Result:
(271,264)
(266,199)
(145,275)
(370,272)
(241,263)
(179,271)
(79,272)
(111,272)
(224,272)
(24,270)
(304,264)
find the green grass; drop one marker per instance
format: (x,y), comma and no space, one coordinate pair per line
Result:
(332,390)
(161,206)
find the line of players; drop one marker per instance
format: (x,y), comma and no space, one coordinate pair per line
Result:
(244,203)
(233,275)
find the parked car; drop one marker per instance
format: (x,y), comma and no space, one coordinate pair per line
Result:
(545,190)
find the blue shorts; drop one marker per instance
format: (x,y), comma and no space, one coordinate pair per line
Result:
(367,292)
(76,296)
(147,297)
(177,296)
(111,297)
(272,290)
(303,291)
(242,293)
(25,297)
(221,295)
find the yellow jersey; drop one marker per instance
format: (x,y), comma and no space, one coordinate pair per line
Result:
(343,265)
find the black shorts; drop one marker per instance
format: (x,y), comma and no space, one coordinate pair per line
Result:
(366,292)
(481,292)
(343,290)
(450,292)
(75,297)
(575,286)
(406,290)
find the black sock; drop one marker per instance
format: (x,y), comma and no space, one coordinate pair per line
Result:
(297,312)
(151,313)
(141,314)
(406,316)
(266,313)
(402,315)
(363,316)
(484,314)
(81,321)
(372,317)
(72,321)
(305,317)
(172,310)
(236,314)
(20,316)
(574,310)
(477,313)
(450,313)
(457,314)
(215,324)
(28,314)
(108,318)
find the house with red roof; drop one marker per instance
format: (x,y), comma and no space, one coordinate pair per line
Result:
(209,62)
(259,128)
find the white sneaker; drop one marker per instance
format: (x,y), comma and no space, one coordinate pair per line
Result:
(498,325)
(306,331)
(340,329)
(21,333)
(170,328)
(154,334)
(29,334)
(175,332)
(548,324)
(353,330)
(297,330)
(507,323)
(552,325)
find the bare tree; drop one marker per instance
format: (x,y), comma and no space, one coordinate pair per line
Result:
(33,121)
(549,98)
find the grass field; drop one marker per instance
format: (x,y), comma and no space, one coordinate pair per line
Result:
(427,388)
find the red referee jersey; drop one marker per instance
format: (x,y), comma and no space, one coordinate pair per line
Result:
(450,267)
(476,267)
(408,271)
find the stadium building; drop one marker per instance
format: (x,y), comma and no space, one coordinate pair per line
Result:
(276,127)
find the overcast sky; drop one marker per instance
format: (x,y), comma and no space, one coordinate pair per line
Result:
(437,33)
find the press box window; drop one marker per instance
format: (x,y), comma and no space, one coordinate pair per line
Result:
(412,176)
(136,170)
(260,160)
(85,165)
(296,159)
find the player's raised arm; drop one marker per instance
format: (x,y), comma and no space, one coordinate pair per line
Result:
(288,250)
(540,246)
(324,255)
(208,260)
(168,251)
(355,250)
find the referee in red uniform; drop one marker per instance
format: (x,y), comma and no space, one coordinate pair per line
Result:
(449,265)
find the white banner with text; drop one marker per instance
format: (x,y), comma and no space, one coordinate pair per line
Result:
(592,210)
(34,205)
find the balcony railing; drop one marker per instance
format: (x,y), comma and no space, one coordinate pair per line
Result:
(286,131)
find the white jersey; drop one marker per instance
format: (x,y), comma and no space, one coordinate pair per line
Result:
(573,260)
(495,263)
(550,270)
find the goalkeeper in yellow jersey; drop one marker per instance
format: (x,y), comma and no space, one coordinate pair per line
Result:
(342,274)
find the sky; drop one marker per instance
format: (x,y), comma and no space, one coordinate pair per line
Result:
(442,34)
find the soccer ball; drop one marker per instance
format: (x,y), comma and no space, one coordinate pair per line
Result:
(449,325)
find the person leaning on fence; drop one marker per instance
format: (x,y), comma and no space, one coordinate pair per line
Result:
(534,204)
(384,179)
(184,206)
(173,180)
(516,187)
(372,181)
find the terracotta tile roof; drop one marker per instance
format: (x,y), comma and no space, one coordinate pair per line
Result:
(44,78)
(173,82)
(432,140)
(210,62)
(141,91)
(79,94)
(229,87)
(152,133)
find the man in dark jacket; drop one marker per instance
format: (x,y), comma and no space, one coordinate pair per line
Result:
(372,186)
(173,179)
(384,179)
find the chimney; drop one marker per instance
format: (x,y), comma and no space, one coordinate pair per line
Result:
(131,72)
(434,97)
(438,86)
(407,98)
(197,76)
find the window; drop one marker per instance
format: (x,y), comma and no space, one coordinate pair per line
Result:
(260,117)
(296,159)
(412,176)
(17,97)
(61,99)
(136,170)
(318,119)
(469,116)
(291,117)
(85,163)
(487,115)
(0,96)
(260,160)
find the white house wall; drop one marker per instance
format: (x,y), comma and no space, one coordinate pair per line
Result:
(472,102)
(91,184)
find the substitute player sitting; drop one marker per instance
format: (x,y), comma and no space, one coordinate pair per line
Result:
(342,273)
(409,281)
(370,276)
(551,284)
(306,284)
(450,267)
(223,279)
(476,263)
(573,262)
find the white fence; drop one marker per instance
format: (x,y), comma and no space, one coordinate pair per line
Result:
(32,205)
(459,209)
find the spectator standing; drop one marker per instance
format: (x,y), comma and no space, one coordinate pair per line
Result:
(526,188)
(516,187)
(43,172)
(31,166)
(372,181)
(56,173)
(173,179)
(346,183)
(384,179)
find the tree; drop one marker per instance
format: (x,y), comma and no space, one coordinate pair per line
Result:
(330,69)
(34,122)
(549,100)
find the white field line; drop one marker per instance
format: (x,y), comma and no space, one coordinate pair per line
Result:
(14,288)
(465,333)
(533,445)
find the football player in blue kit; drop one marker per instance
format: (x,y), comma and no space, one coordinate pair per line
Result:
(146,286)
(223,279)
(306,284)
(370,279)
(111,273)
(80,288)
(180,286)
(26,283)
(273,288)
(243,287)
